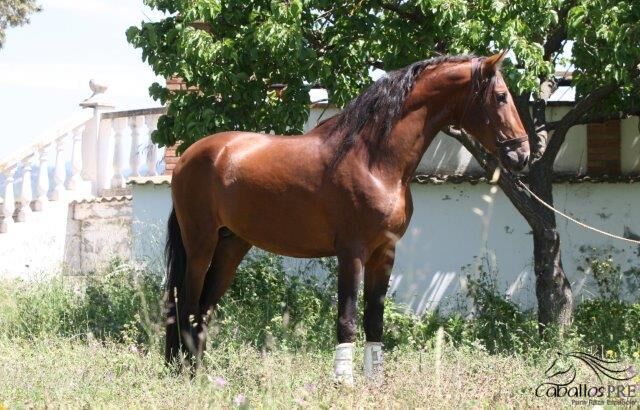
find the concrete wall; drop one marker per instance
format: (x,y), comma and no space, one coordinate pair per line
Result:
(455,225)
(73,237)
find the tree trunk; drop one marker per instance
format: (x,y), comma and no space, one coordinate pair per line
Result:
(555,299)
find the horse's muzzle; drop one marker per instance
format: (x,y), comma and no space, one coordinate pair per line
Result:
(514,159)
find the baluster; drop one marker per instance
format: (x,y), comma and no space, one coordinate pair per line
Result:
(152,151)
(26,192)
(134,158)
(89,160)
(59,172)
(43,181)
(117,181)
(104,164)
(9,202)
(76,159)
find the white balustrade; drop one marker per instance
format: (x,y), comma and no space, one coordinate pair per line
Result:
(75,178)
(84,145)
(136,123)
(117,181)
(8,202)
(114,145)
(59,173)
(152,149)
(42,187)
(26,191)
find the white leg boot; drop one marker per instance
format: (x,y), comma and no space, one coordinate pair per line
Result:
(343,369)
(373,361)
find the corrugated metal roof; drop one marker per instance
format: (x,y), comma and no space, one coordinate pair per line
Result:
(119,198)
(451,179)
(557,179)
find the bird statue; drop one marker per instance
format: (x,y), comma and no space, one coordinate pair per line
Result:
(97,88)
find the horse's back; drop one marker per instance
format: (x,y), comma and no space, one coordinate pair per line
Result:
(255,156)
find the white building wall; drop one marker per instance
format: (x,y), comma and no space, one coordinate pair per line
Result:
(447,233)
(572,157)
(35,248)
(630,146)
(151,206)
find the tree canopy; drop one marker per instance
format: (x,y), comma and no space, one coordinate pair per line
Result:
(15,13)
(235,51)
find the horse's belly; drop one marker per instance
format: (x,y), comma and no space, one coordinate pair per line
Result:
(293,227)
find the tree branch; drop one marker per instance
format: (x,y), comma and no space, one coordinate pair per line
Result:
(522,105)
(507,181)
(414,16)
(540,137)
(556,39)
(593,118)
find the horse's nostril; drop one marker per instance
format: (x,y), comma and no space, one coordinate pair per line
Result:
(525,160)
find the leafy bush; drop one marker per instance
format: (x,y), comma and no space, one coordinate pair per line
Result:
(120,303)
(35,309)
(498,323)
(270,309)
(608,324)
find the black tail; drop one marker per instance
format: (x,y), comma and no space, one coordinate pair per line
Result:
(175,256)
(176,259)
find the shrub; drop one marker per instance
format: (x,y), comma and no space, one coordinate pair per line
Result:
(270,309)
(119,303)
(608,324)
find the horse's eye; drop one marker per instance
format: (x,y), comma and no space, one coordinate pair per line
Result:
(502,97)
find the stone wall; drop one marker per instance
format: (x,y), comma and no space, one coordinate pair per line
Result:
(98,231)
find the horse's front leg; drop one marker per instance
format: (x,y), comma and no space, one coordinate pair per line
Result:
(350,266)
(376,283)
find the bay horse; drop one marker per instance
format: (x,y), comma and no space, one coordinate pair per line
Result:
(342,189)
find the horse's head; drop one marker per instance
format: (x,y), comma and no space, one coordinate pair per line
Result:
(489,114)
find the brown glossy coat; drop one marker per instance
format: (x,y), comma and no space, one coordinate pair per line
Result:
(288,195)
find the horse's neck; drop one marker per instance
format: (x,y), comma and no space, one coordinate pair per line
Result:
(410,138)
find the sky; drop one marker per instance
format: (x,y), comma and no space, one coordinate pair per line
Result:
(45,66)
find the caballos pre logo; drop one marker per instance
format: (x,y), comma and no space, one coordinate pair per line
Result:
(616,385)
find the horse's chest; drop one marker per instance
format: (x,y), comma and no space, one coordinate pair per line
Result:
(390,210)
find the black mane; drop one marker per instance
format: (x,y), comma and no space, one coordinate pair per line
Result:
(379,107)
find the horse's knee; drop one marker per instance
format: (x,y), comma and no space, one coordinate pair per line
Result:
(346,329)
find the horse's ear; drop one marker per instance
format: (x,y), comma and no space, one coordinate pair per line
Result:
(491,65)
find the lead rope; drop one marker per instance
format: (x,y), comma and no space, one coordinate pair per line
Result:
(622,238)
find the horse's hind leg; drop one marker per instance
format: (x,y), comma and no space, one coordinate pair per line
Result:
(229,253)
(200,242)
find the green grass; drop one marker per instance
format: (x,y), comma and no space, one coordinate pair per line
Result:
(62,372)
(96,341)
